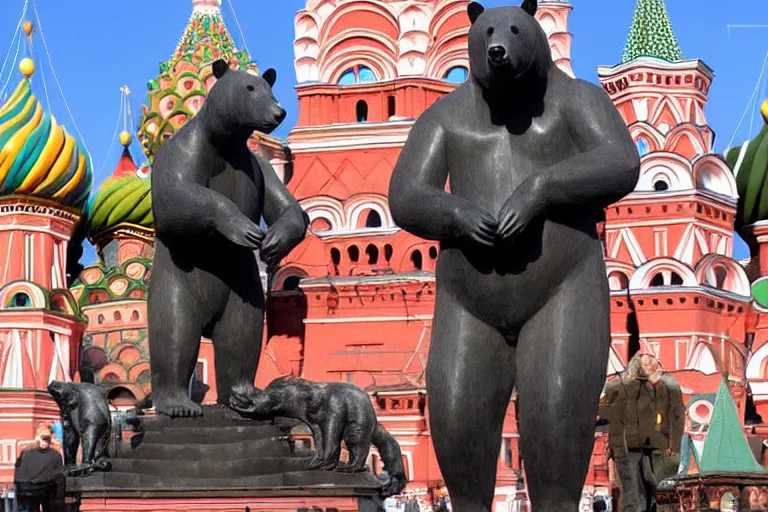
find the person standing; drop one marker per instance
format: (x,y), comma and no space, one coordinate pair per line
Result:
(646,416)
(37,474)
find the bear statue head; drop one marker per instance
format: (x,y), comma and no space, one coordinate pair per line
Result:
(242,101)
(506,44)
(62,393)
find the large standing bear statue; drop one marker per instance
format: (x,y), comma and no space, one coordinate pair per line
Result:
(209,191)
(532,157)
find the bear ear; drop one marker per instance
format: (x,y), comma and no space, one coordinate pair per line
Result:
(220,67)
(270,76)
(530,6)
(475,10)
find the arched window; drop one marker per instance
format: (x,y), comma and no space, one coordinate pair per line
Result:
(416,259)
(20,300)
(388,252)
(618,281)
(335,259)
(457,75)
(660,185)
(357,75)
(118,316)
(135,315)
(373,219)
(291,283)
(391,106)
(361,111)
(373,254)
(643,147)
(335,256)
(354,253)
(100,319)
(721,274)
(665,278)
(320,224)
(348,78)
(433,252)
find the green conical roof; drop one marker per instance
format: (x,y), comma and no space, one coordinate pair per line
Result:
(650,34)
(726,449)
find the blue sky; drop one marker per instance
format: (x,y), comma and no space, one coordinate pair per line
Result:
(99,45)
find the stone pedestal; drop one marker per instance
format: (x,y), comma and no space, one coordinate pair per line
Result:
(218,462)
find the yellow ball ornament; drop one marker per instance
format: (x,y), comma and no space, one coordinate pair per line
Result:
(29,28)
(27,67)
(764,111)
(125,138)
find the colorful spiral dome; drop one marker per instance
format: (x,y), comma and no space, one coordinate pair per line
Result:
(37,156)
(123,199)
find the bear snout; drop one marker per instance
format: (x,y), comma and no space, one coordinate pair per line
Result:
(280,115)
(497,55)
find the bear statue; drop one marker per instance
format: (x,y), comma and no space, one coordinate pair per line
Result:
(86,419)
(533,157)
(334,412)
(209,191)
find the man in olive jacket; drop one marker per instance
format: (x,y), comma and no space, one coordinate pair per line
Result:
(646,414)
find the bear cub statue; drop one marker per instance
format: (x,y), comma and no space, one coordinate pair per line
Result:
(86,418)
(209,192)
(533,158)
(334,412)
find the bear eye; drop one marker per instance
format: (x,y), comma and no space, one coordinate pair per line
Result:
(250,88)
(490,31)
(514,29)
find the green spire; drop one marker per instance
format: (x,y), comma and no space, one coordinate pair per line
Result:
(726,449)
(650,34)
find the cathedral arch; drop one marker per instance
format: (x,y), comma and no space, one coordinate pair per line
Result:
(450,17)
(643,131)
(287,279)
(139,372)
(704,359)
(685,139)
(381,62)
(619,275)
(712,173)
(363,15)
(756,365)
(358,208)
(664,171)
(127,354)
(326,208)
(23,294)
(723,273)
(662,272)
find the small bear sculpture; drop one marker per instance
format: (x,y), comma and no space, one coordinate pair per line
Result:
(334,411)
(85,418)
(533,157)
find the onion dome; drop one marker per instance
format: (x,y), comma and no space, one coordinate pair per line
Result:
(749,163)
(38,157)
(128,281)
(124,199)
(178,92)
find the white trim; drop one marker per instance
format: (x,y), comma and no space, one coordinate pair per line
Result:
(612,225)
(17,325)
(35,229)
(381,419)
(362,319)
